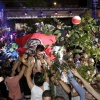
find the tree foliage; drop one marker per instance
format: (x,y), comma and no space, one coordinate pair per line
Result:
(82,35)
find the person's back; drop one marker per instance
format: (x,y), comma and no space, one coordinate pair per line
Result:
(60,87)
(13,87)
(61,92)
(39,86)
(36,92)
(13,83)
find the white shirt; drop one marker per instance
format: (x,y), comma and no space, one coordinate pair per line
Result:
(36,92)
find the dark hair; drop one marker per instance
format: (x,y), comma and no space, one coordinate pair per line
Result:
(58,98)
(39,79)
(11,63)
(46,93)
(8,71)
(40,48)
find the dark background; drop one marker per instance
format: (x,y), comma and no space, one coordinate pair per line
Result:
(44,3)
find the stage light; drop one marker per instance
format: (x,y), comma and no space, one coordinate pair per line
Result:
(55,3)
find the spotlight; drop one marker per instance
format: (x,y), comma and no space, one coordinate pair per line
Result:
(55,3)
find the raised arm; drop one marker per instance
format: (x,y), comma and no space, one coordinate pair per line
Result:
(21,72)
(17,64)
(29,72)
(81,91)
(28,77)
(87,85)
(24,59)
(65,86)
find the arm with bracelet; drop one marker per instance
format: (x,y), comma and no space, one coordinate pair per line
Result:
(81,91)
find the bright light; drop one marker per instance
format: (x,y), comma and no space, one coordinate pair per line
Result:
(55,3)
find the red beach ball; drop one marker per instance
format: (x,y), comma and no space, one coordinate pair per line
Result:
(76,20)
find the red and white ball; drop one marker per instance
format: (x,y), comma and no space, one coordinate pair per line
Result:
(76,20)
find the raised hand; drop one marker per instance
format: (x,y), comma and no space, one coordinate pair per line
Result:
(24,57)
(75,73)
(70,75)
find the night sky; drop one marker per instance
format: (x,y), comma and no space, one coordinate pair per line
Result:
(43,3)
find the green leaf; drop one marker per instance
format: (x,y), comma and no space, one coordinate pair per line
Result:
(76,35)
(57,32)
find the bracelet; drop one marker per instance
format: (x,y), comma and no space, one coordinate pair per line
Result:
(43,63)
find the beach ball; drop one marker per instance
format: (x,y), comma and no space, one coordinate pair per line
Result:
(76,20)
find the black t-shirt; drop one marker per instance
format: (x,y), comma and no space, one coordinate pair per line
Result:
(61,40)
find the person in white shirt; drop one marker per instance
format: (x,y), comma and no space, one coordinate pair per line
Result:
(41,81)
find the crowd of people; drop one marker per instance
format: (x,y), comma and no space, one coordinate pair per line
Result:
(32,77)
(27,78)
